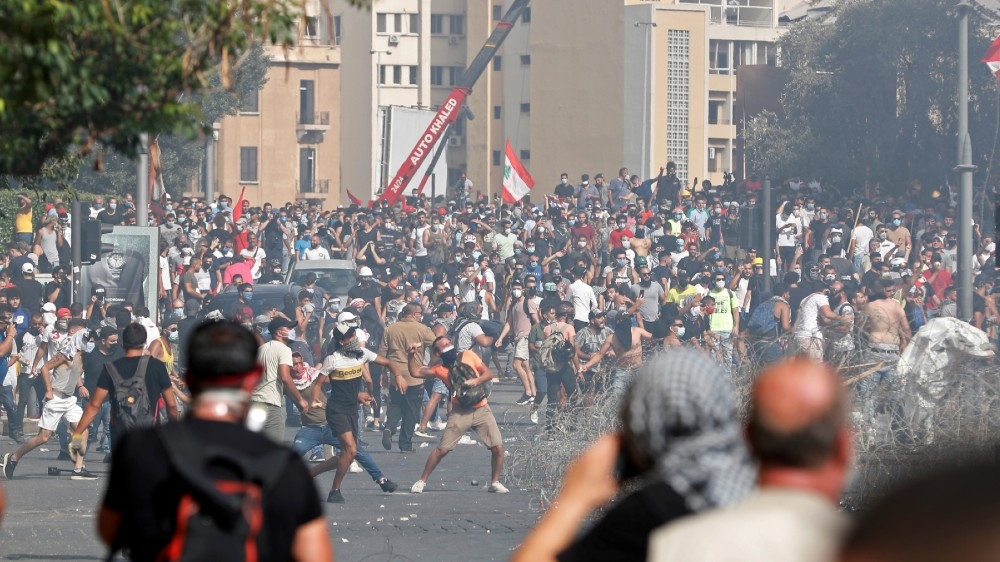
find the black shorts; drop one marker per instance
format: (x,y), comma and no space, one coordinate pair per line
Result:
(342,423)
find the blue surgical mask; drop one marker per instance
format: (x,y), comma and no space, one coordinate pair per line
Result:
(291,334)
(172,336)
(247,296)
(896,222)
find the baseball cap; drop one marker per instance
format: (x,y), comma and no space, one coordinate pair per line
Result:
(48,307)
(28,268)
(346,316)
(63,313)
(343,331)
(758,261)
(279,323)
(261,320)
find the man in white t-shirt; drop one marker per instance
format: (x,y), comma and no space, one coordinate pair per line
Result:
(582,296)
(861,235)
(315,251)
(814,314)
(276,359)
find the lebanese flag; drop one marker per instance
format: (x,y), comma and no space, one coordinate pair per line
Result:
(517,182)
(238,209)
(992,57)
(353,199)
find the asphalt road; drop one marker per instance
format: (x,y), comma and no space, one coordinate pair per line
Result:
(53,517)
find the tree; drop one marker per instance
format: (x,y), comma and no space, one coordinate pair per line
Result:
(82,73)
(871,96)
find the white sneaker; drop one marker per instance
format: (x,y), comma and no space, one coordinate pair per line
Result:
(437,425)
(423,434)
(534,417)
(418,487)
(355,467)
(498,488)
(466,440)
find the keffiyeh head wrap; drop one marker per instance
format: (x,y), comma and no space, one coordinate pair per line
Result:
(679,412)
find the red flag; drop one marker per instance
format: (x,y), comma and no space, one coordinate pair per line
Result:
(353,199)
(992,57)
(238,209)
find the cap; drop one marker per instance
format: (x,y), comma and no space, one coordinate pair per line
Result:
(365,272)
(343,331)
(48,307)
(358,303)
(261,320)
(551,287)
(346,316)
(63,313)
(758,261)
(28,268)
(279,323)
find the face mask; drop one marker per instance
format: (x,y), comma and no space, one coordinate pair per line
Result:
(572,222)
(90,347)
(308,308)
(531,249)
(798,272)
(62,325)
(169,224)
(626,244)
(517,293)
(822,216)
(622,263)
(581,244)
(677,216)
(541,230)
(291,334)
(829,278)
(517,251)
(565,181)
(172,336)
(248,296)
(720,284)
(896,222)
(695,310)
(435,226)
(178,312)
(448,356)
(680,331)
(836,239)
(810,206)
(113,206)
(506,231)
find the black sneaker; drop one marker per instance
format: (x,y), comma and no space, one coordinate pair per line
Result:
(7,466)
(82,474)
(388,486)
(524,400)
(335,497)
(387,439)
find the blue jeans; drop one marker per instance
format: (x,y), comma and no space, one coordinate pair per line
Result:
(541,383)
(309,436)
(620,379)
(103,418)
(7,403)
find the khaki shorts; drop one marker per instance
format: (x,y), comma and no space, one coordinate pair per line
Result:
(480,419)
(521,348)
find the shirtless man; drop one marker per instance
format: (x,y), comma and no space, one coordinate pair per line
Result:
(641,243)
(887,333)
(626,341)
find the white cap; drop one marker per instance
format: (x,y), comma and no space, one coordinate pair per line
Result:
(365,272)
(28,267)
(346,316)
(342,330)
(48,307)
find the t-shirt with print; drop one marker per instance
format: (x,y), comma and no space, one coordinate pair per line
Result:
(345,374)
(470,359)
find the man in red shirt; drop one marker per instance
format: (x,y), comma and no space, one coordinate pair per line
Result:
(938,277)
(462,418)
(622,230)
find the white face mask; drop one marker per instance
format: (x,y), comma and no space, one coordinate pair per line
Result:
(680,332)
(626,244)
(517,293)
(720,284)
(308,308)
(582,244)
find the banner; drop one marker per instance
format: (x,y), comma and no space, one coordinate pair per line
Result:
(127,268)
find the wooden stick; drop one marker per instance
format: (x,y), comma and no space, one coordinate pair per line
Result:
(857,217)
(864,375)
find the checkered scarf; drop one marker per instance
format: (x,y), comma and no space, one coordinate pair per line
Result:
(680,412)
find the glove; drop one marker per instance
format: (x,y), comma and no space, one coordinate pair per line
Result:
(76,445)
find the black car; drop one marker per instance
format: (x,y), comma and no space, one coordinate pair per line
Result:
(265,298)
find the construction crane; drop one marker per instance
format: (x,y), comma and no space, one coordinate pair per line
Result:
(450,110)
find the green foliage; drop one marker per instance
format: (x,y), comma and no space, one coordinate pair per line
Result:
(81,73)
(872,96)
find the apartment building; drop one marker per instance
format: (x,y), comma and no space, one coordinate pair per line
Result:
(284,144)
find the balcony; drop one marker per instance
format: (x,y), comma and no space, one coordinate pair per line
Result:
(310,127)
(310,188)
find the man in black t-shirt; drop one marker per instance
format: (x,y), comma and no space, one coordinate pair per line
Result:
(366,289)
(140,508)
(106,351)
(133,340)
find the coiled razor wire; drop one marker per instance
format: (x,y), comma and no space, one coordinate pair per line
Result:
(901,430)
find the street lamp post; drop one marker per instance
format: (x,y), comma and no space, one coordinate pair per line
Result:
(646,25)
(965,170)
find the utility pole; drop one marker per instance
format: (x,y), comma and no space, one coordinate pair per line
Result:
(210,165)
(644,171)
(142,197)
(965,170)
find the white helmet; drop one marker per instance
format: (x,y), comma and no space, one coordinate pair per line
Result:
(365,272)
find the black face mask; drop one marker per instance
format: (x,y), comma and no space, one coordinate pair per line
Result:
(448,357)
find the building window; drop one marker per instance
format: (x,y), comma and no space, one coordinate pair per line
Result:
(712,159)
(457,25)
(250,103)
(414,80)
(525,155)
(307,170)
(312,27)
(381,74)
(496,158)
(525,108)
(398,20)
(397,74)
(336,30)
(525,60)
(454,74)
(437,76)
(414,24)
(678,98)
(437,24)
(714,110)
(496,63)
(307,102)
(248,163)
(380,23)
(526,15)
(497,111)
(497,12)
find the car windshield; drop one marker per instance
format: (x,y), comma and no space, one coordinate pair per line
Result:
(333,281)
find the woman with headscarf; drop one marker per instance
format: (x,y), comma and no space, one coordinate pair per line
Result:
(680,440)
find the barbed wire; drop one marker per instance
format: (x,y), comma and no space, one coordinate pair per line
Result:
(901,424)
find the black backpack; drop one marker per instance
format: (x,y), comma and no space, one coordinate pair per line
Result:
(466,396)
(134,407)
(218,519)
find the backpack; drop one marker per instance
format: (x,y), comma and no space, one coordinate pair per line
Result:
(392,310)
(491,328)
(555,352)
(466,396)
(134,407)
(762,322)
(217,519)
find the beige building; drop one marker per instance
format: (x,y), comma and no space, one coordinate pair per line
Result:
(285,144)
